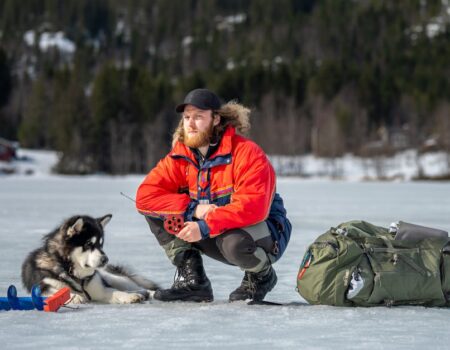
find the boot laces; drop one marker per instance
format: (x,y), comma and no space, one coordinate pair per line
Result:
(248,284)
(252,281)
(177,278)
(183,277)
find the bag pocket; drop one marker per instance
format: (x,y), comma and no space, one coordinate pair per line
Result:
(320,279)
(360,285)
(445,272)
(400,277)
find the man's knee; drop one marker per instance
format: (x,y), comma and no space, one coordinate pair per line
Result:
(238,247)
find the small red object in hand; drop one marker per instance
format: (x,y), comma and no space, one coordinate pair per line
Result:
(174,223)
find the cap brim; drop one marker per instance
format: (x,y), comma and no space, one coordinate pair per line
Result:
(180,108)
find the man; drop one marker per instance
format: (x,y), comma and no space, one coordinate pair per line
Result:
(224,186)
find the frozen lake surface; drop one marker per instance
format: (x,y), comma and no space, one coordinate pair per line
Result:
(33,206)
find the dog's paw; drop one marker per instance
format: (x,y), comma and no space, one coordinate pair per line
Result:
(127,298)
(145,293)
(151,293)
(77,299)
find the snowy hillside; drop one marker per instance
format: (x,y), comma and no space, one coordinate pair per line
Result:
(406,165)
(30,162)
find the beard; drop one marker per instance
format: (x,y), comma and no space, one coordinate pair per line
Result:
(200,139)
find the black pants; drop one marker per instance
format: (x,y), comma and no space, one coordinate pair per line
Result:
(247,248)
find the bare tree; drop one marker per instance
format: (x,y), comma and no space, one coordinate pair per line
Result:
(442,117)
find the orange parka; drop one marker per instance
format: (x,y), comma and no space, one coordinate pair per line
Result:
(237,177)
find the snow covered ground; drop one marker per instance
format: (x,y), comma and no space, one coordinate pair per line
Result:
(31,206)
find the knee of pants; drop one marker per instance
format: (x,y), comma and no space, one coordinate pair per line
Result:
(237,247)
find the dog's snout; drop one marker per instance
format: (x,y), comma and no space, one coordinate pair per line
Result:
(104,260)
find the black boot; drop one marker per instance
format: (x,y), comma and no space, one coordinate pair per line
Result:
(255,285)
(191,283)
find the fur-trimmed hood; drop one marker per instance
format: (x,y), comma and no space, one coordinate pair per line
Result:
(231,113)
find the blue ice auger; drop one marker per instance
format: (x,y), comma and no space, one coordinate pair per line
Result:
(36,301)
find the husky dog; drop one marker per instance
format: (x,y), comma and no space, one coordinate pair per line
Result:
(72,256)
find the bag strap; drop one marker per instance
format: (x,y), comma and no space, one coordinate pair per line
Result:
(387,242)
(398,253)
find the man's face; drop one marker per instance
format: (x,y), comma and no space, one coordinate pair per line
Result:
(198,125)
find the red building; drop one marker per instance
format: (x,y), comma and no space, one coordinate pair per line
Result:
(7,150)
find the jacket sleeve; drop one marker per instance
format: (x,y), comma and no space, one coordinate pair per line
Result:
(254,188)
(162,191)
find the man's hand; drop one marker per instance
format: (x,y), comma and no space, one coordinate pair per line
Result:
(202,209)
(190,232)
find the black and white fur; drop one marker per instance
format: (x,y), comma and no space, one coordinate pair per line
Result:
(72,256)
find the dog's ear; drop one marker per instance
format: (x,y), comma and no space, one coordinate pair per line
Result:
(75,228)
(104,220)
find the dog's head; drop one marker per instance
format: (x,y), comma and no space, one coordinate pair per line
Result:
(83,236)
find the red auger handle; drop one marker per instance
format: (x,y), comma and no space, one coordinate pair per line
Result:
(54,302)
(174,223)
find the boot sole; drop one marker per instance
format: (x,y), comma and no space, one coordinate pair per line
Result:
(199,299)
(190,299)
(193,298)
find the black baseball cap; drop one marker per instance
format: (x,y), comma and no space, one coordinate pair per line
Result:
(200,98)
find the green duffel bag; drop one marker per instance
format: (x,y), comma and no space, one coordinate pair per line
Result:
(360,264)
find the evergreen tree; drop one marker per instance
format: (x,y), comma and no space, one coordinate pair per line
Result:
(366,65)
(5,78)
(35,129)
